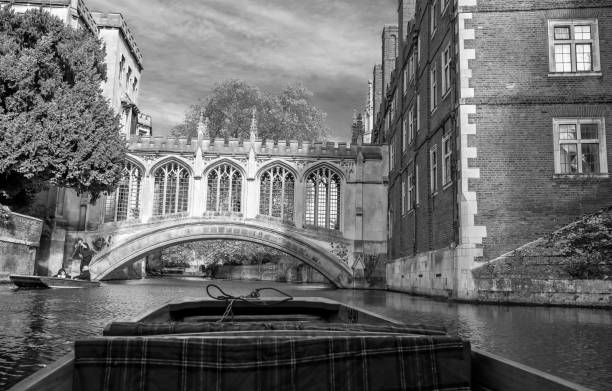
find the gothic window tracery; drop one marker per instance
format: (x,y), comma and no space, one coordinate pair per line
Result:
(276,193)
(124,202)
(322,202)
(224,189)
(171,189)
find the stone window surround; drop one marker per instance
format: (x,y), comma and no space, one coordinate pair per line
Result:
(433,72)
(432,19)
(595,56)
(447,153)
(410,193)
(603,159)
(404,208)
(445,66)
(404,136)
(433,169)
(410,125)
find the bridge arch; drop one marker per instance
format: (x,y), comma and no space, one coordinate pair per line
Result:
(165,234)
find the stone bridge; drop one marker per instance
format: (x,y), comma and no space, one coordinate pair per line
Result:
(302,198)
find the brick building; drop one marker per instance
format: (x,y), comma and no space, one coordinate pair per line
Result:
(495,115)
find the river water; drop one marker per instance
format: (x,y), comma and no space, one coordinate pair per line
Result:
(38,326)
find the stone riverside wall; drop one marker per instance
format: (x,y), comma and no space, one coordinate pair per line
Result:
(18,245)
(595,293)
(571,266)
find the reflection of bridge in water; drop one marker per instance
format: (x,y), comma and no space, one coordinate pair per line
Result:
(301,198)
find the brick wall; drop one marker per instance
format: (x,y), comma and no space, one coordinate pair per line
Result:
(431,225)
(519,196)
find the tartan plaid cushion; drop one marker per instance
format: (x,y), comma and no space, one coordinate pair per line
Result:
(142,328)
(373,362)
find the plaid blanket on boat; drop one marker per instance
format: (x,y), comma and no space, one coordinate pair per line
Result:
(355,363)
(142,328)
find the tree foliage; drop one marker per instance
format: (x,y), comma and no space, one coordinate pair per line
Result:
(289,115)
(211,252)
(55,125)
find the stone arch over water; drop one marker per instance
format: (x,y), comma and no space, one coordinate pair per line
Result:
(165,234)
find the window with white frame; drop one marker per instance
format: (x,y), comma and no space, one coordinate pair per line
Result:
(391,153)
(410,124)
(446,162)
(404,135)
(414,65)
(418,113)
(419,49)
(433,169)
(405,80)
(433,18)
(410,195)
(580,146)
(573,46)
(434,86)
(416,185)
(411,67)
(446,59)
(404,204)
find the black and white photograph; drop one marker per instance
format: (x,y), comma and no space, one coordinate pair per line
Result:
(305,195)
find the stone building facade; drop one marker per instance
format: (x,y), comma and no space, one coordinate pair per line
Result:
(495,116)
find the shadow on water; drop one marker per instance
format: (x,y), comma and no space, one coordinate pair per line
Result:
(37,327)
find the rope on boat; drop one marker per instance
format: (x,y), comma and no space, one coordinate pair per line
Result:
(251,298)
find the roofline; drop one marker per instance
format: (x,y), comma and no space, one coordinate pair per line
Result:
(118,22)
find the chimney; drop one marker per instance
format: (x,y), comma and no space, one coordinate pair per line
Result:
(405,11)
(378,90)
(390,47)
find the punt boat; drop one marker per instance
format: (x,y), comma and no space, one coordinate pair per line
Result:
(280,343)
(42,282)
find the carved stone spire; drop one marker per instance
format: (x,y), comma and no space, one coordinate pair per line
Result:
(253,132)
(203,127)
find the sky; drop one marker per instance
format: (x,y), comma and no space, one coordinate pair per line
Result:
(330,46)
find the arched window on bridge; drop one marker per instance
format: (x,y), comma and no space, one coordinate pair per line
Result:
(124,202)
(224,189)
(276,193)
(323,198)
(171,190)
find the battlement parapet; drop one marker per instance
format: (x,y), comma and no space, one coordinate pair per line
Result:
(260,147)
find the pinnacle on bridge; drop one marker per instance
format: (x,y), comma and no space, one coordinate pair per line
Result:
(253,132)
(203,126)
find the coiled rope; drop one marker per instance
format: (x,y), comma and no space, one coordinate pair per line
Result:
(252,298)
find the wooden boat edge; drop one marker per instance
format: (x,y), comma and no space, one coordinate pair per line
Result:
(46,281)
(491,370)
(55,376)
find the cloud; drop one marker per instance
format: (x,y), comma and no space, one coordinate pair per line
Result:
(189,45)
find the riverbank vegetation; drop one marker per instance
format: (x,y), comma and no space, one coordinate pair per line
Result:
(208,255)
(579,251)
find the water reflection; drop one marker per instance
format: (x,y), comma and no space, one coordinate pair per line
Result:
(37,327)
